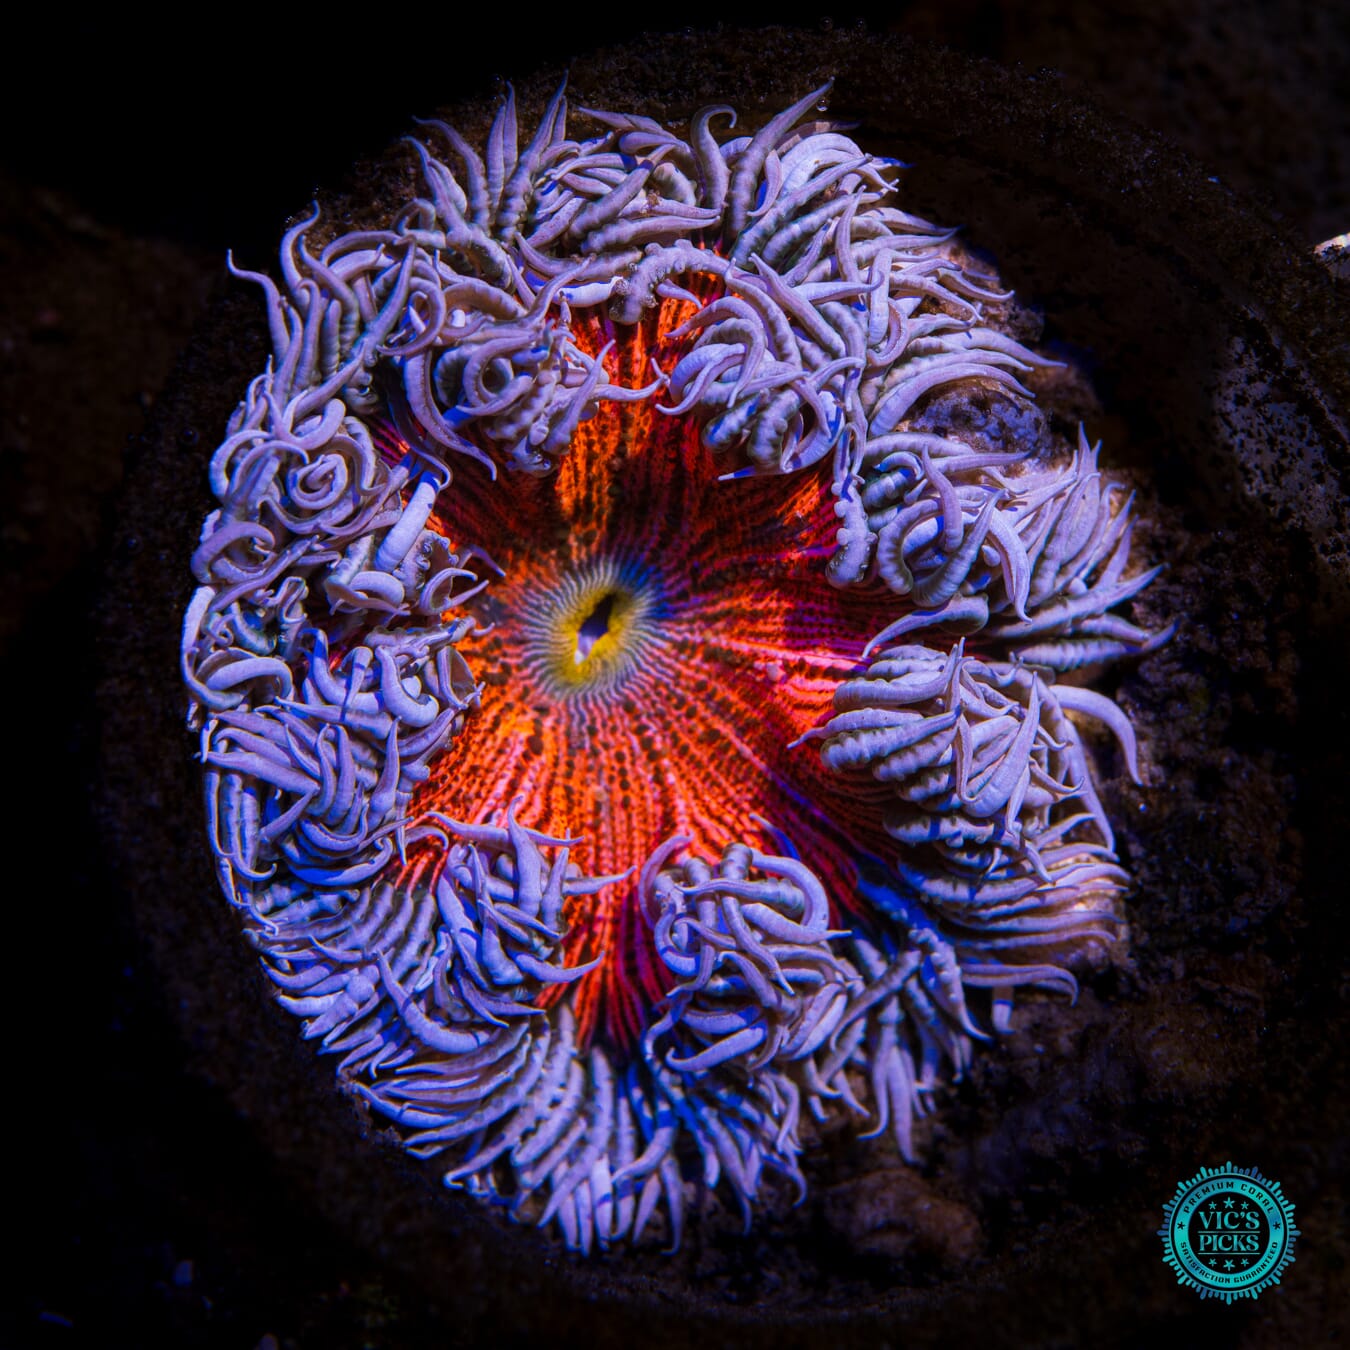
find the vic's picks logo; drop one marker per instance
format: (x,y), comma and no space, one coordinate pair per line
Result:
(1228,1232)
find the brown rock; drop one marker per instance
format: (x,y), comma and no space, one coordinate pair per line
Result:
(895,1213)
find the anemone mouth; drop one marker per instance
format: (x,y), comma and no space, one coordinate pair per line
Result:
(586,637)
(701,814)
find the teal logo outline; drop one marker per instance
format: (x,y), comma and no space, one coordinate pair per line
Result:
(1242,1198)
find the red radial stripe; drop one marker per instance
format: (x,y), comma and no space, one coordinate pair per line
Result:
(659,640)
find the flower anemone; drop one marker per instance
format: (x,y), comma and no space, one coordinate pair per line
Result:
(625,657)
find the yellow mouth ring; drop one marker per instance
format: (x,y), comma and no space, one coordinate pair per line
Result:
(592,631)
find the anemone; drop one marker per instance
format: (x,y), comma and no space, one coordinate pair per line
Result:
(625,655)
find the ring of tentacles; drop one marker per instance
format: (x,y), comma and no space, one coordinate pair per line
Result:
(628,656)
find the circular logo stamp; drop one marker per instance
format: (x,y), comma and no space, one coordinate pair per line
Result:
(1228,1232)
